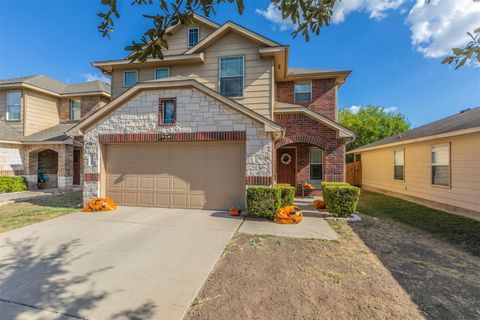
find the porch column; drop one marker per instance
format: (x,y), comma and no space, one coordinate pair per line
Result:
(31,168)
(65,168)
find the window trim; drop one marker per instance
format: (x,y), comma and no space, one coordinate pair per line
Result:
(448,144)
(21,107)
(70,109)
(163,68)
(295,92)
(310,163)
(124,78)
(161,102)
(403,165)
(188,37)
(243,74)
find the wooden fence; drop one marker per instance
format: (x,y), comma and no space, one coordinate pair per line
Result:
(354,173)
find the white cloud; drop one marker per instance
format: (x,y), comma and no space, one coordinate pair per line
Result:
(390,109)
(376,8)
(355,109)
(440,25)
(273,14)
(92,77)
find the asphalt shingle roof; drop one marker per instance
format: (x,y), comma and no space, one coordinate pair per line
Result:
(56,133)
(466,119)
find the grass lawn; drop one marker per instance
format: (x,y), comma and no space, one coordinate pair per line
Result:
(22,213)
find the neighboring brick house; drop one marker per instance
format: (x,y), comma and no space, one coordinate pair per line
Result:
(35,113)
(222,110)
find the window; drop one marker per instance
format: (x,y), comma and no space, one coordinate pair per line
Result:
(441,165)
(193,36)
(398,165)
(167,113)
(316,160)
(75,110)
(130,78)
(303,92)
(231,76)
(162,73)
(14,102)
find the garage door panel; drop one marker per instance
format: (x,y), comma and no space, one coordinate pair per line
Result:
(207,175)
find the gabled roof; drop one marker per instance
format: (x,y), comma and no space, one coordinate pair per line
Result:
(467,121)
(7,133)
(168,83)
(55,134)
(198,18)
(299,73)
(56,87)
(229,26)
(282,107)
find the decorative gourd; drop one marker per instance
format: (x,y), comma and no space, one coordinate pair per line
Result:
(100,204)
(308,186)
(288,215)
(234,211)
(319,204)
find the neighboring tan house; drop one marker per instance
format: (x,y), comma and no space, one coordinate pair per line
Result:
(436,164)
(221,111)
(35,113)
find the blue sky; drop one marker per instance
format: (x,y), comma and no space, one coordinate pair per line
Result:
(60,39)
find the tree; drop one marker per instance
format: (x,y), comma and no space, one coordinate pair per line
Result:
(472,49)
(372,123)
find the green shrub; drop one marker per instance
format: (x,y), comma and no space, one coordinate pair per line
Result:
(12,184)
(263,201)
(340,198)
(288,193)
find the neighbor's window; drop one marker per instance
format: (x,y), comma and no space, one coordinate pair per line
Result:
(316,160)
(399,165)
(14,102)
(168,112)
(231,76)
(162,73)
(441,165)
(303,92)
(193,36)
(130,78)
(75,110)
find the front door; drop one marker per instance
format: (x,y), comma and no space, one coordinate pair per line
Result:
(76,167)
(286,161)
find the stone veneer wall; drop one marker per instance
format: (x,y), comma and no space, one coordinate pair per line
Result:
(196,112)
(11,159)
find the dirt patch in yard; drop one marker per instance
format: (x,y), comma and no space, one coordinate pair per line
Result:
(286,278)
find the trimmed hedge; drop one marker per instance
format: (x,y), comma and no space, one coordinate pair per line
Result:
(12,184)
(340,198)
(288,193)
(263,201)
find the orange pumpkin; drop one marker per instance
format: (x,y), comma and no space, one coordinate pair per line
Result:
(319,204)
(308,186)
(234,212)
(100,204)
(288,215)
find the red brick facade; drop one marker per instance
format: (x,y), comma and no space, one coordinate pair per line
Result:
(88,105)
(323,96)
(303,132)
(174,137)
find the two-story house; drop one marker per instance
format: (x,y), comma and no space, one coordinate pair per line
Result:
(35,113)
(222,110)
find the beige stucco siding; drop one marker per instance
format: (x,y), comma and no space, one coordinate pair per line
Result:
(377,171)
(41,112)
(258,80)
(15,125)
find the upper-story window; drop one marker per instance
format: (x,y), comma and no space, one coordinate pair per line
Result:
(441,165)
(75,109)
(303,92)
(130,78)
(231,76)
(167,115)
(399,165)
(161,73)
(14,105)
(193,36)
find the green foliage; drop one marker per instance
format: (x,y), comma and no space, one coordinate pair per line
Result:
(340,198)
(12,184)
(372,123)
(42,177)
(288,193)
(462,55)
(263,201)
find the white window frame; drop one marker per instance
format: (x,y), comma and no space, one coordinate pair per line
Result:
(295,91)
(124,78)
(188,36)
(220,71)
(310,163)
(395,165)
(155,72)
(448,145)
(70,109)
(20,105)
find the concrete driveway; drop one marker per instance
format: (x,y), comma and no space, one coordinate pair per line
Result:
(133,263)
